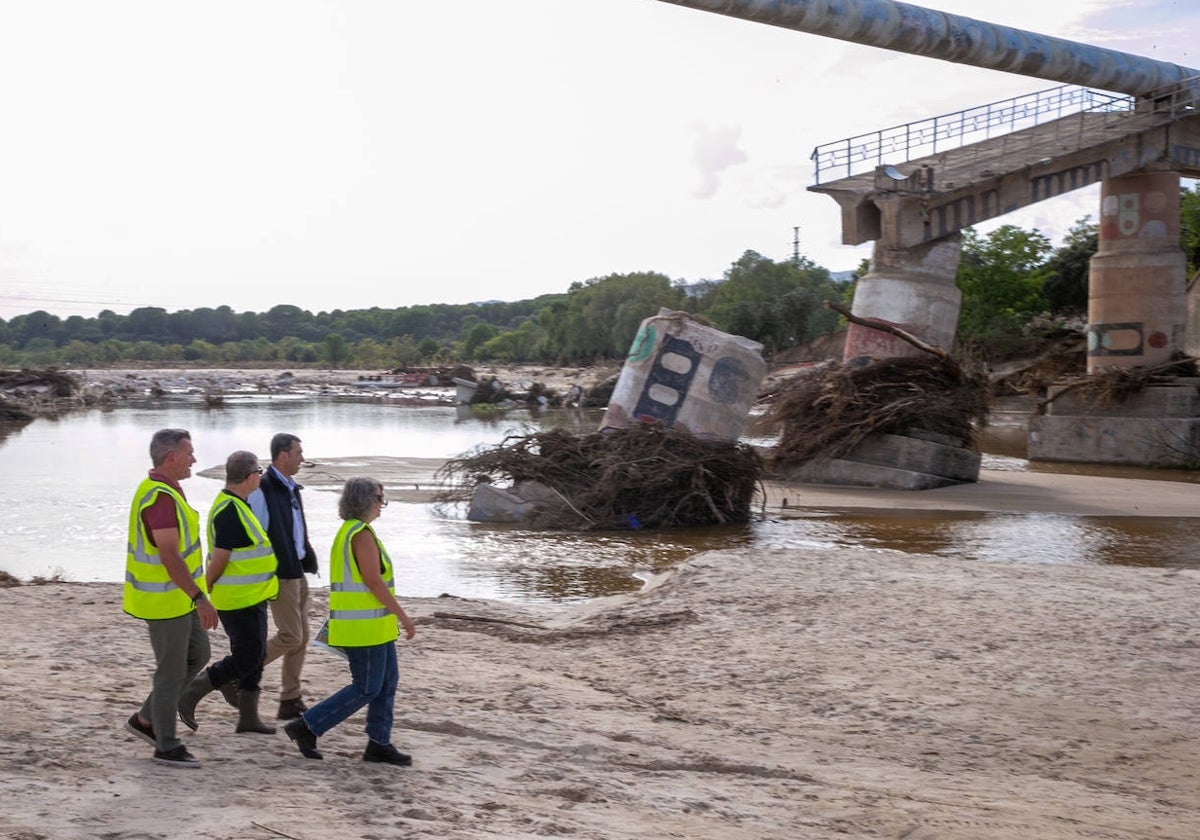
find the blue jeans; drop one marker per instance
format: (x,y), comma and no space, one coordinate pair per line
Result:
(374,677)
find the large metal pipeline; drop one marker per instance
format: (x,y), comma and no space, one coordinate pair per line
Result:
(920,31)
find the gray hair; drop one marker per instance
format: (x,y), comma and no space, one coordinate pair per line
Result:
(166,441)
(282,442)
(239,466)
(359,494)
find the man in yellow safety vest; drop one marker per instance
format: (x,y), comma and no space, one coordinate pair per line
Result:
(164,585)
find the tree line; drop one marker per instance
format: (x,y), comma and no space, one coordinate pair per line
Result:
(776,303)
(1013,283)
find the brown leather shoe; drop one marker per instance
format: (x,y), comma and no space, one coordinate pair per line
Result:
(291,709)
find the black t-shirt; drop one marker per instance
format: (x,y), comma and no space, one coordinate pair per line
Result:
(228,531)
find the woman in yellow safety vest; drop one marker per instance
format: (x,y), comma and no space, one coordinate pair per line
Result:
(363,621)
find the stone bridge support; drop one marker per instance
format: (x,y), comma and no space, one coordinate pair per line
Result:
(1137,290)
(911,288)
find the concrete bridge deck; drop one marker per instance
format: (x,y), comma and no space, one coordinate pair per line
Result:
(947,191)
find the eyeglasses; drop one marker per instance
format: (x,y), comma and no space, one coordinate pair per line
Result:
(258,471)
(382,501)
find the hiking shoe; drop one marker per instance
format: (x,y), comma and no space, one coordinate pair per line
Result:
(142,730)
(291,709)
(386,754)
(299,732)
(178,757)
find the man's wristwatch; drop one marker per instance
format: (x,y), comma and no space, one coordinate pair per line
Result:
(196,598)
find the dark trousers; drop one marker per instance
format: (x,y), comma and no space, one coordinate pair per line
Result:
(247,630)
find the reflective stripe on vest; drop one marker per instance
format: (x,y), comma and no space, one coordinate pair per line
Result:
(356,618)
(249,575)
(149,591)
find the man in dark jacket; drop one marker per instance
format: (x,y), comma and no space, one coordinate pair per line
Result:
(279,508)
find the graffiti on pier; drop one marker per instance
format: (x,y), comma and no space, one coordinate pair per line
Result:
(1117,339)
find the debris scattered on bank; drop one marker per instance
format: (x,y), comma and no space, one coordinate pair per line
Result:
(830,409)
(1114,386)
(643,476)
(28,394)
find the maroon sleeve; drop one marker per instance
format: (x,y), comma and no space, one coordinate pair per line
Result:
(160,515)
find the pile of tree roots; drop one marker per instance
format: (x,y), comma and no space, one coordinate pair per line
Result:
(27,394)
(1114,386)
(644,476)
(827,412)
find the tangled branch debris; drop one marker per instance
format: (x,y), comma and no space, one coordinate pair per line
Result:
(646,476)
(829,411)
(26,394)
(1114,386)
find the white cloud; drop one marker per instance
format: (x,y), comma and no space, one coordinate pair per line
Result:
(713,151)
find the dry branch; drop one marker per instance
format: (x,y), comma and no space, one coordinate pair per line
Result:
(828,411)
(645,476)
(892,329)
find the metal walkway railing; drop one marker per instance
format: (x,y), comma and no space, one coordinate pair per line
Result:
(855,155)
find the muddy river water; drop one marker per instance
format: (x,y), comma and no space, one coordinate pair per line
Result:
(67,482)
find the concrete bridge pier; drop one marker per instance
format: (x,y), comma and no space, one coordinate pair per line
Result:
(911,288)
(1137,291)
(1137,314)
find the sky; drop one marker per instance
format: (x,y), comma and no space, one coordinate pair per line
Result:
(344,155)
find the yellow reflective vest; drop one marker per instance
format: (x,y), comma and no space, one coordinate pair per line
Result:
(149,591)
(249,575)
(356,617)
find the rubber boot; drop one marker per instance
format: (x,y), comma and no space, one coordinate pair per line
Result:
(198,687)
(230,692)
(248,720)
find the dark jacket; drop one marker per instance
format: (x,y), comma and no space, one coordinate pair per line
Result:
(292,563)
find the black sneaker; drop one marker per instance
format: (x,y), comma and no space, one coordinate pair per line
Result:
(299,732)
(386,754)
(178,757)
(142,730)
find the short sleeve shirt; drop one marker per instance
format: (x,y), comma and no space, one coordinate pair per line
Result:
(161,514)
(228,530)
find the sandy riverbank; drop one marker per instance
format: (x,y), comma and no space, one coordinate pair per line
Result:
(749,694)
(745,694)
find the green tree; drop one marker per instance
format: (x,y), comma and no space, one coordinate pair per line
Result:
(199,349)
(335,350)
(601,317)
(36,325)
(513,345)
(403,351)
(778,304)
(1001,277)
(77,352)
(147,323)
(1189,233)
(41,351)
(1065,284)
(480,334)
(428,347)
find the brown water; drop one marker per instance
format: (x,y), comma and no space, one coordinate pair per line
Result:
(66,483)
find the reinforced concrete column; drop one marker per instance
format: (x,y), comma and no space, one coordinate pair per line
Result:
(911,288)
(1137,286)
